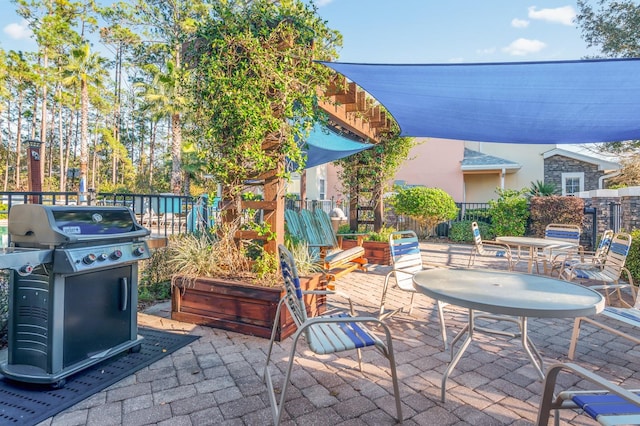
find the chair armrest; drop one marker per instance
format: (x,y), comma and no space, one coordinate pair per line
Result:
(497,245)
(333,292)
(547,402)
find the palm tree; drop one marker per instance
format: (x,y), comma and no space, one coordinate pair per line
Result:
(84,70)
(163,98)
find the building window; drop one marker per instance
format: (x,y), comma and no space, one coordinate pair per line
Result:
(322,185)
(572,183)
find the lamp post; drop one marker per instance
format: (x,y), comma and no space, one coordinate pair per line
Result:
(34,171)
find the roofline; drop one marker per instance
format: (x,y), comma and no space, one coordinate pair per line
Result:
(489,167)
(602,164)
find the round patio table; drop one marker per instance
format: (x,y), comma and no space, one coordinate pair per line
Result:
(506,293)
(533,244)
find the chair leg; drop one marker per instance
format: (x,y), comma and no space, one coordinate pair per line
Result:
(385,287)
(359,355)
(411,303)
(443,328)
(472,258)
(388,353)
(574,337)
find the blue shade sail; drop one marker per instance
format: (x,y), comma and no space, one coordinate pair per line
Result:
(324,145)
(518,102)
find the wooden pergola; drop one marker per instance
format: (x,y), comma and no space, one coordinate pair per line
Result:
(350,109)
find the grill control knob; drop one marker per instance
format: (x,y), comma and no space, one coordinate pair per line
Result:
(103,256)
(117,254)
(139,251)
(89,259)
(25,270)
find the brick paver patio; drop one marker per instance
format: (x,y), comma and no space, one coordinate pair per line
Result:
(217,380)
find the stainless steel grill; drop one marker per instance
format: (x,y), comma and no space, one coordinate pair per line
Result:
(73,288)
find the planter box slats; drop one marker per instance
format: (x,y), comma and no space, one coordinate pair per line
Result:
(377,252)
(242,308)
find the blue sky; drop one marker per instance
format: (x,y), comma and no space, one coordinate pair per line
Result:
(423,31)
(419,31)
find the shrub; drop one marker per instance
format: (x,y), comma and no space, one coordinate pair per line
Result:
(461,231)
(555,209)
(382,235)
(509,213)
(428,206)
(633,258)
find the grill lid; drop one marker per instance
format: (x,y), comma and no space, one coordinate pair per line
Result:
(44,225)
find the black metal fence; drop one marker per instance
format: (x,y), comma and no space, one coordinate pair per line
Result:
(164,214)
(167,214)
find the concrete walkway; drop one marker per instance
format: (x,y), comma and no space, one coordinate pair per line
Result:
(217,380)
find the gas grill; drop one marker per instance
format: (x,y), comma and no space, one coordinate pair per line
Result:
(73,288)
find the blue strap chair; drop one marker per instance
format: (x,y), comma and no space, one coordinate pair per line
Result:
(610,405)
(610,269)
(488,248)
(406,260)
(324,334)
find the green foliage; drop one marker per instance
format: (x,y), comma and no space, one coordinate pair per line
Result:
(382,235)
(253,87)
(217,254)
(509,213)
(555,209)
(428,206)
(633,258)
(305,262)
(373,167)
(541,189)
(460,232)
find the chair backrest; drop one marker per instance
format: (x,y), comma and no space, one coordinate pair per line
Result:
(603,246)
(295,300)
(477,238)
(324,224)
(405,257)
(563,232)
(294,224)
(617,255)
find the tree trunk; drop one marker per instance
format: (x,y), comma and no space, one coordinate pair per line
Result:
(176,155)
(84,145)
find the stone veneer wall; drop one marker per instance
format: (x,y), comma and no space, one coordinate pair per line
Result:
(629,198)
(555,165)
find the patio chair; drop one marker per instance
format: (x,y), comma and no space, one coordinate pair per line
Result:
(626,315)
(562,232)
(610,405)
(324,335)
(488,248)
(609,271)
(406,260)
(588,259)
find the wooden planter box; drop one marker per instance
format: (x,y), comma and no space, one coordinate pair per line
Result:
(239,307)
(377,252)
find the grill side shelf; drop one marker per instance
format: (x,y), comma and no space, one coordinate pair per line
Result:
(17,258)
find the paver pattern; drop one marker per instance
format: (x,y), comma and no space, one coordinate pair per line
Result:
(217,380)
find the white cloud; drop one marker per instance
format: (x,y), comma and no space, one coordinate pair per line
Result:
(18,31)
(523,46)
(519,23)
(321,3)
(560,15)
(486,51)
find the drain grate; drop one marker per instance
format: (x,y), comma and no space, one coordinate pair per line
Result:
(28,404)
